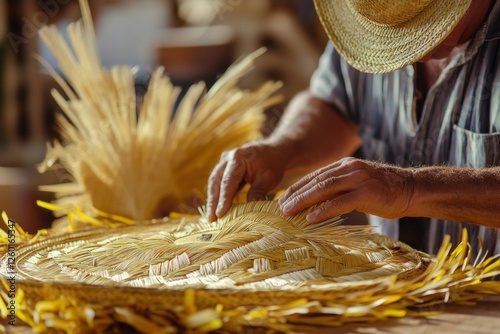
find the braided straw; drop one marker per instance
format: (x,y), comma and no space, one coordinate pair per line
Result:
(254,247)
(254,267)
(382,36)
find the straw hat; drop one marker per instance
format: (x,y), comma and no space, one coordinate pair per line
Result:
(380,36)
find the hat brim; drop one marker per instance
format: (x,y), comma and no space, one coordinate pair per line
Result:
(380,48)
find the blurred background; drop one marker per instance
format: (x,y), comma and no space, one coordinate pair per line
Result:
(193,39)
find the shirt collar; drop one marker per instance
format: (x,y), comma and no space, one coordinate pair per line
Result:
(490,30)
(493,23)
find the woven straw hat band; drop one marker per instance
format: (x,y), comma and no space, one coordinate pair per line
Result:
(390,12)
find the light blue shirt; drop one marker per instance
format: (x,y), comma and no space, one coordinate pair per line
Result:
(459,125)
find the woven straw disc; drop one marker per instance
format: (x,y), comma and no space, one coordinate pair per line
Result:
(253,256)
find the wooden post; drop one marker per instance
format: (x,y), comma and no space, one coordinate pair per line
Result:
(3,20)
(3,33)
(33,81)
(23,116)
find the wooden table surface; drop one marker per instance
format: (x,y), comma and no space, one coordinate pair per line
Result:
(455,319)
(484,317)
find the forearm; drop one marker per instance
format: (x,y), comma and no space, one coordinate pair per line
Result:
(469,195)
(313,134)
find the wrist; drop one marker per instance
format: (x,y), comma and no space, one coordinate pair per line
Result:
(453,193)
(426,191)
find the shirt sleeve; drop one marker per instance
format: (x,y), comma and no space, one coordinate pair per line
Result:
(331,82)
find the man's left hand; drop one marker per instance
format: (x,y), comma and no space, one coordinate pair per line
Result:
(351,184)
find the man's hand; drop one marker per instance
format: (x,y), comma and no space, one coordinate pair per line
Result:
(352,184)
(311,133)
(259,164)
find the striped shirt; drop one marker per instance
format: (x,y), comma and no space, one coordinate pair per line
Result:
(459,124)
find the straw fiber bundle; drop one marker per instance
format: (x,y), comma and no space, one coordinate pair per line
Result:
(253,268)
(126,158)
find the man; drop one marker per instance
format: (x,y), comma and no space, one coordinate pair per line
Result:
(427,122)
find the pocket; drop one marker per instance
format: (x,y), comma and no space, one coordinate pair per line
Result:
(472,149)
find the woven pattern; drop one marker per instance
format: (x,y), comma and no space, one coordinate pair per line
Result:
(253,268)
(375,41)
(254,247)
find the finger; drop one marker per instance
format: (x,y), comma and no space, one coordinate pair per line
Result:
(341,167)
(231,179)
(214,186)
(298,185)
(340,205)
(261,185)
(288,207)
(322,190)
(321,175)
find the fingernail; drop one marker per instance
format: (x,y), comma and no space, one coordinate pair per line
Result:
(218,210)
(286,208)
(285,203)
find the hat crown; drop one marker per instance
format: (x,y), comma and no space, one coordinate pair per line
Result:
(390,12)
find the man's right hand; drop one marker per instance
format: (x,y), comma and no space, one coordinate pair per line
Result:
(259,164)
